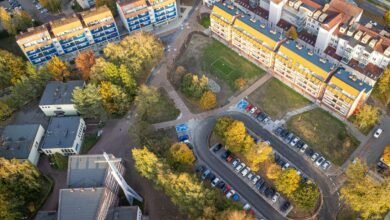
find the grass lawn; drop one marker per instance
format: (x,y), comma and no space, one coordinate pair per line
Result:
(324,133)
(276,99)
(205,21)
(164,110)
(89,141)
(227,65)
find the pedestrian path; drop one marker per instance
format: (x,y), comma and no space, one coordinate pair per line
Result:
(290,114)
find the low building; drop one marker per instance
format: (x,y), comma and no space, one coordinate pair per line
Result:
(57,98)
(64,135)
(21,142)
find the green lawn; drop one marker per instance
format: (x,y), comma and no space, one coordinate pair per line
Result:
(325,134)
(227,65)
(89,141)
(276,99)
(205,21)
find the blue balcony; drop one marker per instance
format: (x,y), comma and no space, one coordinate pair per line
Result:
(38,61)
(132,18)
(69,50)
(100,39)
(49,46)
(68,45)
(113,35)
(49,52)
(65,41)
(156,10)
(143,15)
(170,9)
(146,23)
(81,36)
(109,26)
(82,46)
(96,35)
(171,15)
(32,52)
(111,31)
(160,19)
(135,27)
(35,56)
(160,13)
(96,30)
(82,40)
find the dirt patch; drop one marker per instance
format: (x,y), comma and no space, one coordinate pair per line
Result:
(191,60)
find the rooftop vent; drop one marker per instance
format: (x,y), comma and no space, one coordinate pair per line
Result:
(253,20)
(323,60)
(262,25)
(310,53)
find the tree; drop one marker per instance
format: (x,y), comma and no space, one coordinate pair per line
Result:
(234,136)
(362,194)
(273,171)
(193,86)
(367,116)
(138,52)
(306,196)
(57,68)
(292,33)
(5,110)
(12,68)
(386,17)
(22,20)
(208,100)
(88,102)
(222,124)
(111,4)
(60,161)
(20,189)
(257,154)
(386,155)
(115,100)
(288,181)
(84,63)
(239,83)
(382,88)
(51,5)
(6,21)
(146,162)
(181,153)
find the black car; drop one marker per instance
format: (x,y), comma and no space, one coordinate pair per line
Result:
(217,148)
(211,177)
(269,192)
(225,154)
(260,184)
(309,152)
(263,188)
(200,168)
(286,205)
(278,131)
(284,133)
(221,184)
(299,144)
(261,116)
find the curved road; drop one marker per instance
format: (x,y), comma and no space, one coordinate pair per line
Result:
(201,134)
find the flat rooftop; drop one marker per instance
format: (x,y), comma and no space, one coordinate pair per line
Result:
(59,93)
(80,203)
(17,140)
(123,213)
(87,170)
(61,132)
(261,27)
(351,80)
(229,8)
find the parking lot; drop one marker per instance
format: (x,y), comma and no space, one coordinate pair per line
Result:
(258,184)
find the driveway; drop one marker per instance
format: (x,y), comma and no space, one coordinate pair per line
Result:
(201,136)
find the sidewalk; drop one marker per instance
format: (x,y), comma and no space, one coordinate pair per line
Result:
(290,114)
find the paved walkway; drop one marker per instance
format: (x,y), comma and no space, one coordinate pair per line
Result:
(290,114)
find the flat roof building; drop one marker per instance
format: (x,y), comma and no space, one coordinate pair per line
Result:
(21,142)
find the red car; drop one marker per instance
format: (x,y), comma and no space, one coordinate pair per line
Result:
(229,158)
(249,107)
(227,188)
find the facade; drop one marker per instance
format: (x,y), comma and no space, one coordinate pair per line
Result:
(146,14)
(337,80)
(21,142)
(64,135)
(56,100)
(68,35)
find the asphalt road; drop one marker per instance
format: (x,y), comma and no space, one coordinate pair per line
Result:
(201,136)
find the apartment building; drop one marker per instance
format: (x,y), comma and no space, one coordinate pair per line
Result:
(321,76)
(146,14)
(68,35)
(64,135)
(85,4)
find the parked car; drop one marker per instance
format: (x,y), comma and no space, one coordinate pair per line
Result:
(266,119)
(275,197)
(205,174)
(287,165)
(220,184)
(225,154)
(235,162)
(245,171)
(278,131)
(229,158)
(289,137)
(261,116)
(300,144)
(211,177)
(302,150)
(309,152)
(269,192)
(320,161)
(267,142)
(200,169)
(314,156)
(259,184)
(226,188)
(378,132)
(286,205)
(253,110)
(250,176)
(294,141)
(247,206)
(255,179)
(263,187)
(240,167)
(284,133)
(215,182)
(325,165)
(230,193)
(249,107)
(217,148)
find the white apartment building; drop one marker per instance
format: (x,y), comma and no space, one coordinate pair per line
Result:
(21,142)
(64,135)
(56,99)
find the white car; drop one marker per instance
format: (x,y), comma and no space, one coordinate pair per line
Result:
(245,171)
(378,132)
(275,197)
(250,176)
(325,165)
(268,142)
(287,165)
(230,193)
(302,150)
(254,180)
(240,167)
(215,182)
(247,206)
(314,157)
(236,162)
(253,110)
(320,161)
(295,141)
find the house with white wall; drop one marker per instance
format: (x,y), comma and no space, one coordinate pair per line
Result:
(21,142)
(64,135)
(56,100)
